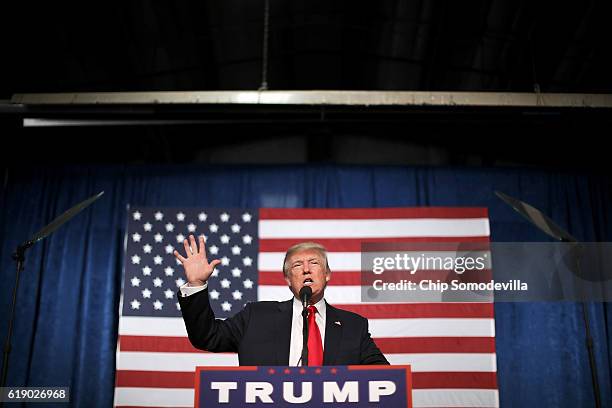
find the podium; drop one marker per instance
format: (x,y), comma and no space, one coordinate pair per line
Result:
(281,386)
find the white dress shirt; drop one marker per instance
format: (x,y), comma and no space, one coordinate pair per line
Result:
(187,290)
(297,323)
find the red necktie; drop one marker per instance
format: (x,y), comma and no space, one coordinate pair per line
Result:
(315,345)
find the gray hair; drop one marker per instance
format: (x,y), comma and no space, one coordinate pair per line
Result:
(305,246)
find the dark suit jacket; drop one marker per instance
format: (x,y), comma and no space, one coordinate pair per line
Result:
(261,333)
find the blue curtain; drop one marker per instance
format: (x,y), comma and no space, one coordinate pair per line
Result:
(67,315)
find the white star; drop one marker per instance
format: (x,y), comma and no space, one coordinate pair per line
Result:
(169,227)
(246,217)
(158,260)
(179,282)
(225,239)
(135,304)
(247,239)
(136,215)
(146,271)
(147,249)
(236,272)
(158,305)
(214,294)
(158,282)
(236,250)
(169,249)
(202,216)
(235,228)
(180,238)
(225,261)
(224,217)
(168,293)
(214,250)
(213,227)
(248,284)
(191,227)
(225,283)
(158,237)
(135,281)
(215,273)
(136,237)
(247,261)
(204,236)
(178,306)
(237,295)
(226,306)
(147,226)
(159,216)
(169,271)
(135,259)
(177,261)
(180,216)
(146,293)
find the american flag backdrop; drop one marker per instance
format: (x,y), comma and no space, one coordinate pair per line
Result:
(451,346)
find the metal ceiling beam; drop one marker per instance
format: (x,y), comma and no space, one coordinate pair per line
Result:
(322,98)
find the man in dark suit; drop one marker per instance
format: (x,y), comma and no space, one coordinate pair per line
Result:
(270,333)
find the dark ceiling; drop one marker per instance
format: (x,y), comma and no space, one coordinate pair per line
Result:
(496,45)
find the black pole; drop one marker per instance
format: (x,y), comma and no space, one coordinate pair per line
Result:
(264,57)
(19,257)
(589,342)
(305,334)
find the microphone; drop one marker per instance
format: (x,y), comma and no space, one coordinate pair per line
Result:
(305,295)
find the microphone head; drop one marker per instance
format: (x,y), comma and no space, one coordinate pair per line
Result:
(305,292)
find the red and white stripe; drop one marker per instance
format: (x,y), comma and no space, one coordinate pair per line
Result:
(451,346)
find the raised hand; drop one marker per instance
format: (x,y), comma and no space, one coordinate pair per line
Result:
(197,268)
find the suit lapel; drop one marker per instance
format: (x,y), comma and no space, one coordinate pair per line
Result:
(333,335)
(283,331)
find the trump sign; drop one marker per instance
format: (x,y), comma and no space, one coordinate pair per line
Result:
(279,386)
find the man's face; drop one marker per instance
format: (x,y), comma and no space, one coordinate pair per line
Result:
(307,268)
